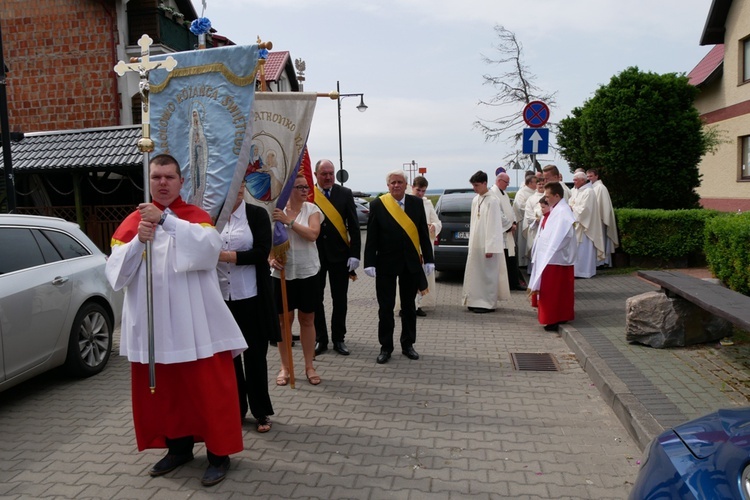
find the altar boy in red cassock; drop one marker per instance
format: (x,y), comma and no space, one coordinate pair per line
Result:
(552,281)
(195,335)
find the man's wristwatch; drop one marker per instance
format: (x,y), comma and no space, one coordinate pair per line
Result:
(163,218)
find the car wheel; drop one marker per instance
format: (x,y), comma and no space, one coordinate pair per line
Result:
(90,341)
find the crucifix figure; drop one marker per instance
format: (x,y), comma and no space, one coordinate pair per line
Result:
(143,66)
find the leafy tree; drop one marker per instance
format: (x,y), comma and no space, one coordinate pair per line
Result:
(643,134)
(515,89)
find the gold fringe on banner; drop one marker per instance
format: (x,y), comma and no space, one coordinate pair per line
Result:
(240,81)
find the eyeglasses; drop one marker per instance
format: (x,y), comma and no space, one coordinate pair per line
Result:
(302,188)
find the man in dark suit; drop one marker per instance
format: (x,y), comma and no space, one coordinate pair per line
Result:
(398,246)
(339,247)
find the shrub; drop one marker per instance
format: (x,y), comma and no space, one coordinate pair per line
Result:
(727,240)
(662,234)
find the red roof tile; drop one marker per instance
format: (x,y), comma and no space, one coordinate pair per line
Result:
(275,64)
(708,65)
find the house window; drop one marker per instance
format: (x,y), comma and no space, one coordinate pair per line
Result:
(745,158)
(746,60)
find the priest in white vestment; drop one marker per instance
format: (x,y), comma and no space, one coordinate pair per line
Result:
(607,213)
(532,216)
(588,227)
(485,278)
(509,225)
(519,205)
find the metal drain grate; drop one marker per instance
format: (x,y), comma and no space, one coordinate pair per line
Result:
(534,362)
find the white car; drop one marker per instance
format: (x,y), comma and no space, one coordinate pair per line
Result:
(56,305)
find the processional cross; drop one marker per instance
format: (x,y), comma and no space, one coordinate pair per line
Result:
(143,66)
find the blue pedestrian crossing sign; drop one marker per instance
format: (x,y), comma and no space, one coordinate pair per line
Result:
(535,141)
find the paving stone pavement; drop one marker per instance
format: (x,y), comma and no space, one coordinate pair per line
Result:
(460,422)
(651,389)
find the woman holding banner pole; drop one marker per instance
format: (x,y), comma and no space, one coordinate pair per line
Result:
(302,220)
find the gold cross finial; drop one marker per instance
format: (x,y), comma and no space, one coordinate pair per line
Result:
(143,66)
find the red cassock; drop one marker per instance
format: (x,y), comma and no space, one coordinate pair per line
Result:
(193,398)
(556,295)
(198,399)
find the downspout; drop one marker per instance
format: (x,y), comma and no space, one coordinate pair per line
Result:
(113,46)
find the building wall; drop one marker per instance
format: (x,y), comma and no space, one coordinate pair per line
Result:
(725,105)
(60,54)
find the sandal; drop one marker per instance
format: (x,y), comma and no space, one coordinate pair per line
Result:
(314,379)
(263,424)
(282,379)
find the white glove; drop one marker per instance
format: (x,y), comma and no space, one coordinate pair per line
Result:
(429,268)
(370,271)
(352,264)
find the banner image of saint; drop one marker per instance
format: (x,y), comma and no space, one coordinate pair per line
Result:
(267,171)
(281,124)
(198,157)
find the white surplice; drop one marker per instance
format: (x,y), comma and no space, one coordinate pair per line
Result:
(519,206)
(485,279)
(184,258)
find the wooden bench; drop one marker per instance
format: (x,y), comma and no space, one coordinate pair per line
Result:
(716,299)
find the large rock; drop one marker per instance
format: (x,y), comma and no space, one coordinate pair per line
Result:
(659,321)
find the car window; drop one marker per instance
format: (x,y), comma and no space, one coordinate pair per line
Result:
(68,247)
(18,250)
(48,250)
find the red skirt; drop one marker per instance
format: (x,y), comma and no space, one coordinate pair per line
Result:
(556,295)
(197,398)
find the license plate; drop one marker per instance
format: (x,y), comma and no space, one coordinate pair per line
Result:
(461,235)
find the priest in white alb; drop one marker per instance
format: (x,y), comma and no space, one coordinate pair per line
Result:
(519,206)
(588,227)
(485,278)
(607,214)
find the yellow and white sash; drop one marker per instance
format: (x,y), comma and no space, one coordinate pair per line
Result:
(390,204)
(331,214)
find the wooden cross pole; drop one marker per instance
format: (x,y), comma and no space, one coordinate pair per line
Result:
(143,66)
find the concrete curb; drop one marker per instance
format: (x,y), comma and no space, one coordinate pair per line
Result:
(640,424)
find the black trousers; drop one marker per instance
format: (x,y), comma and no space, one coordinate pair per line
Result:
(513,274)
(338,276)
(184,445)
(252,378)
(385,289)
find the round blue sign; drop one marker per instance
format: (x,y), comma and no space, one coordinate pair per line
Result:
(536,114)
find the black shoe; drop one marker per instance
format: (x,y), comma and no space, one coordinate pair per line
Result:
(409,352)
(482,310)
(295,338)
(215,473)
(320,348)
(420,312)
(552,327)
(383,357)
(169,463)
(340,348)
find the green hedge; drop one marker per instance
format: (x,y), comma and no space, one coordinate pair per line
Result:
(727,247)
(662,234)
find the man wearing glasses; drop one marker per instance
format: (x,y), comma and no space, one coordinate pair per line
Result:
(339,248)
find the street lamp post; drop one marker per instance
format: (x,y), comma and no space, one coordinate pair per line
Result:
(362,107)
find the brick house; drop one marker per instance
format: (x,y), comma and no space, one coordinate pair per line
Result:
(723,77)
(78,158)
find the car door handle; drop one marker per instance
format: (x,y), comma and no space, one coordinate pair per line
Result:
(59,280)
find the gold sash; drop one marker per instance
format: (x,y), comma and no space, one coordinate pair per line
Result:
(390,204)
(331,214)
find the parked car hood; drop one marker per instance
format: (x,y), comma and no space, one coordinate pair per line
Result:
(704,436)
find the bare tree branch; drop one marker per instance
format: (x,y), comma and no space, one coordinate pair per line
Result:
(514,89)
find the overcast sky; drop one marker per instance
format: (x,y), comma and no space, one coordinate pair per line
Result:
(419,65)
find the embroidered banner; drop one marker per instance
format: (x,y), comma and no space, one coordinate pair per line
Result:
(201,113)
(281,124)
